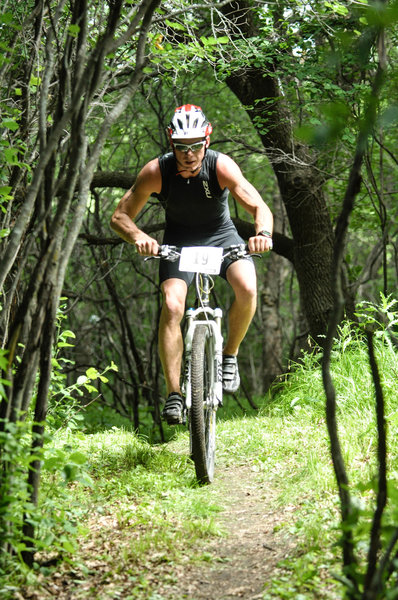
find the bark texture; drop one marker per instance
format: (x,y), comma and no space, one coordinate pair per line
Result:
(299,182)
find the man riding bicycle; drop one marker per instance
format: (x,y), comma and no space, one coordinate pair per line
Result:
(193,183)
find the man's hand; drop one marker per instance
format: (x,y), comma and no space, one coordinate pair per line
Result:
(259,243)
(146,245)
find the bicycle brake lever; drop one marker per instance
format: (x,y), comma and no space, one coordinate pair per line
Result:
(169,253)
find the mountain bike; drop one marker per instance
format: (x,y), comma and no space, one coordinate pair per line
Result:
(203,344)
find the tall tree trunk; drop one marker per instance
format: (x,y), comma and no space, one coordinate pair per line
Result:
(270,314)
(299,183)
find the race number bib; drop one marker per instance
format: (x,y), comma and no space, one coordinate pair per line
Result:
(201,259)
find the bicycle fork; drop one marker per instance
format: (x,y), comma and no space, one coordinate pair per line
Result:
(211,317)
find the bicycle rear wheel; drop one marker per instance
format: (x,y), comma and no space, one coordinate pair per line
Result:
(202,420)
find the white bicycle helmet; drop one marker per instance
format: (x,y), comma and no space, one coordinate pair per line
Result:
(189,122)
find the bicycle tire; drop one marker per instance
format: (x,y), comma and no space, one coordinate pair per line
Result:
(202,418)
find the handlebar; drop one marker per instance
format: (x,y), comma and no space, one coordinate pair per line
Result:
(173,253)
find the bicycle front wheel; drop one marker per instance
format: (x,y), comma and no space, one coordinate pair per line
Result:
(202,419)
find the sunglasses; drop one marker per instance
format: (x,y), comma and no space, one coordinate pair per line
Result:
(196,147)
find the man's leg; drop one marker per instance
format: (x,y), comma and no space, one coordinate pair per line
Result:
(170,336)
(242,277)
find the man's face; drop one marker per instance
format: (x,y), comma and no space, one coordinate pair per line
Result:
(189,155)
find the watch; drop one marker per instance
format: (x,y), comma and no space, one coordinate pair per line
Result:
(265,233)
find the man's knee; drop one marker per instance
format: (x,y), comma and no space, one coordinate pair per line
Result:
(174,295)
(248,287)
(246,293)
(172,307)
(244,282)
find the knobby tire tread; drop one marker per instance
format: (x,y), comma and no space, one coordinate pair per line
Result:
(202,363)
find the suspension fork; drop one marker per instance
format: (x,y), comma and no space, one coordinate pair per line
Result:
(214,325)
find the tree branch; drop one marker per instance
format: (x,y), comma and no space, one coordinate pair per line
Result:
(372,579)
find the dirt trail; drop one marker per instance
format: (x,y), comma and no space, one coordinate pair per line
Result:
(247,556)
(239,563)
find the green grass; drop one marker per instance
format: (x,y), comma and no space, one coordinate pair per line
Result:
(143,498)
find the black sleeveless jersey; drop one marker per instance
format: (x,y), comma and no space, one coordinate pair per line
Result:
(193,204)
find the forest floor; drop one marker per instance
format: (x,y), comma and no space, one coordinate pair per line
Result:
(239,563)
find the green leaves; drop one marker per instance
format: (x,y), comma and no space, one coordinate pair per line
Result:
(3,359)
(63,336)
(12,150)
(73,30)
(175,55)
(381,14)
(214,41)
(381,317)
(175,25)
(337,7)
(65,402)
(9,124)
(334,118)
(34,83)
(3,367)
(93,374)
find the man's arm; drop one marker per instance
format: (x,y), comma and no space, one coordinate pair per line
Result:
(230,176)
(149,181)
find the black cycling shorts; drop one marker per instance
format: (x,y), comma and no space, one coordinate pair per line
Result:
(223,237)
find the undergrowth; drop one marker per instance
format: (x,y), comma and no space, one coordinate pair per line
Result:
(134,508)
